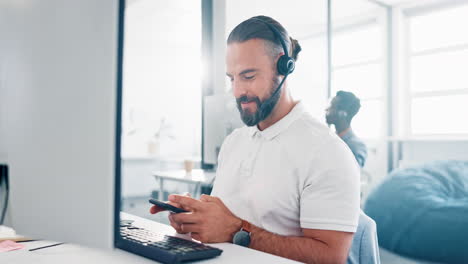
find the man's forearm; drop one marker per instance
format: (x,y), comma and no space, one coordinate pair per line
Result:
(302,249)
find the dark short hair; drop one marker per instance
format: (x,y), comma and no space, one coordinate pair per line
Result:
(252,28)
(349,103)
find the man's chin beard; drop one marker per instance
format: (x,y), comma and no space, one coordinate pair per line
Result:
(250,119)
(263,111)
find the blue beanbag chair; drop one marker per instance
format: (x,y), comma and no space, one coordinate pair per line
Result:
(422,212)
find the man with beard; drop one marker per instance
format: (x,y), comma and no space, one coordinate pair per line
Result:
(285,183)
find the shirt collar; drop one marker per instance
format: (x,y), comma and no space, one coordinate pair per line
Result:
(281,125)
(346,133)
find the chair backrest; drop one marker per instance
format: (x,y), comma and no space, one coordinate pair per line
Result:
(365,246)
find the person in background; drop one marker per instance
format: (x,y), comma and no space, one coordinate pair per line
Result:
(344,106)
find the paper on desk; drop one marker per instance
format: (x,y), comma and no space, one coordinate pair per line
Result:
(9,245)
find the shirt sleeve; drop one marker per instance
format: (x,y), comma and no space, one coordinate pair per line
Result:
(330,198)
(360,152)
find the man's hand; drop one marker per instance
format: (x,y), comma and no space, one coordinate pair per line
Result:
(209,220)
(156,209)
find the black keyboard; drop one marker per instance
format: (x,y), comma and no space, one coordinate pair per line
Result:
(163,248)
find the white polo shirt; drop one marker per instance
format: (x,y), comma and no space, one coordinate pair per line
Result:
(295,174)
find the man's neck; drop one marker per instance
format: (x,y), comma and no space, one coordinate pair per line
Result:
(283,107)
(342,127)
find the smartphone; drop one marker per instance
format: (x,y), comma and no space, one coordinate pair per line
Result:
(167,206)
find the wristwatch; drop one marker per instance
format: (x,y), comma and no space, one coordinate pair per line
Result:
(242,237)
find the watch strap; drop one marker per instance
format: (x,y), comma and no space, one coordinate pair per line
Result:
(246,226)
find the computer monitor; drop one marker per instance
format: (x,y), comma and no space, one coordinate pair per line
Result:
(59,75)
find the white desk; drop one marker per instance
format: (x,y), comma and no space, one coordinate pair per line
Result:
(71,254)
(196,178)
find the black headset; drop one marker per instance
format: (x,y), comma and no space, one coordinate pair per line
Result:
(285,64)
(342,113)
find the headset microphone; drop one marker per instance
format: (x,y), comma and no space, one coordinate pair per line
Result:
(285,66)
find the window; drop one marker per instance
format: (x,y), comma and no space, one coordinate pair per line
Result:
(308,83)
(357,67)
(162,80)
(437,59)
(444,114)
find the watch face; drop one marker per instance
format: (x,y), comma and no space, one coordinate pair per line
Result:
(241,238)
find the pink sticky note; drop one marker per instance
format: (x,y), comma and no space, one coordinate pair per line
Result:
(9,245)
